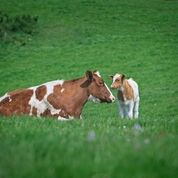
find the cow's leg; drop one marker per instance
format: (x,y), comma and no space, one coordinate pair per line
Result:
(136,109)
(130,110)
(60,118)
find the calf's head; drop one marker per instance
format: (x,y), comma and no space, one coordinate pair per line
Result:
(97,88)
(117,81)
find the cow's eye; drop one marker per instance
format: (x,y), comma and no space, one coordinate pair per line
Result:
(101,82)
(117,80)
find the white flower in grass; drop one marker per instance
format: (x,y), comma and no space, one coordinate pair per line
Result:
(124,127)
(91,136)
(147,141)
(137,128)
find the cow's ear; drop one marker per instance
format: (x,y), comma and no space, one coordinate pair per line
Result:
(123,77)
(111,77)
(89,75)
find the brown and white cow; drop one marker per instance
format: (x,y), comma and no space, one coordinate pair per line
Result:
(61,99)
(128,95)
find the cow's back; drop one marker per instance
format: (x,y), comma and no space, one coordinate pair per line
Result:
(30,101)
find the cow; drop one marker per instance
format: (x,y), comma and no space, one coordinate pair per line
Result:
(59,99)
(128,95)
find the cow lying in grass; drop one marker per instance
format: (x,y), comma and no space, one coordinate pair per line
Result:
(61,99)
(128,96)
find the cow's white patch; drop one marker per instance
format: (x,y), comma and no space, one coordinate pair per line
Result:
(71,117)
(42,105)
(62,90)
(3,97)
(98,74)
(93,99)
(50,86)
(61,118)
(39,105)
(10,99)
(111,95)
(134,85)
(91,136)
(52,109)
(121,89)
(65,119)
(6,96)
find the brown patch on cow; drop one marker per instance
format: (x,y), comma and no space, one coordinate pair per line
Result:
(34,111)
(53,101)
(40,92)
(65,100)
(62,113)
(46,113)
(17,103)
(16,92)
(57,89)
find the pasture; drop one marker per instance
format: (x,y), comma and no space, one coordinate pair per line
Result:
(138,38)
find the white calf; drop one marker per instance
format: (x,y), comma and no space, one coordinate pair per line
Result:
(128,96)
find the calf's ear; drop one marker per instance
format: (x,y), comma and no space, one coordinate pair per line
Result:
(122,77)
(89,75)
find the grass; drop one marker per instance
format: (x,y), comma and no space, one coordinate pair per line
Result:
(138,38)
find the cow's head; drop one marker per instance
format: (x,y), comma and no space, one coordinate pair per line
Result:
(117,81)
(97,88)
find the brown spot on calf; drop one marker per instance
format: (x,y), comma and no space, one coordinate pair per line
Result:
(128,95)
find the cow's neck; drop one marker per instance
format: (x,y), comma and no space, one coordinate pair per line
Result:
(79,95)
(126,91)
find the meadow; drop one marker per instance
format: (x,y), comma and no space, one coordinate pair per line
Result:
(137,38)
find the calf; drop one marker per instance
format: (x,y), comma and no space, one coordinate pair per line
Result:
(128,95)
(60,99)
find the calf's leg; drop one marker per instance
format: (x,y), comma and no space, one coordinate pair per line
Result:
(130,110)
(136,109)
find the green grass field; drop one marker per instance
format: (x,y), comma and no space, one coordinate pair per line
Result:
(138,38)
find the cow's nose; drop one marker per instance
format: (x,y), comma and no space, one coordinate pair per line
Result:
(112,98)
(112,86)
